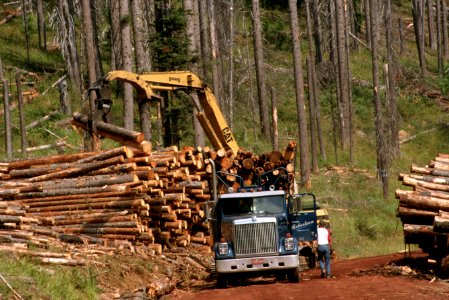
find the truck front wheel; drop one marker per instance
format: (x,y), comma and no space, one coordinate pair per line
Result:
(222,280)
(293,275)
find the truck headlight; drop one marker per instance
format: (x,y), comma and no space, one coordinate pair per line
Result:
(223,248)
(289,244)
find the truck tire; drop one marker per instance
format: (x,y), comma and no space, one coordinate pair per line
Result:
(280,276)
(222,280)
(293,275)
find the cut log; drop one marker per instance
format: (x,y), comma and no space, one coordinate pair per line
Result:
(110,129)
(78,169)
(66,158)
(125,151)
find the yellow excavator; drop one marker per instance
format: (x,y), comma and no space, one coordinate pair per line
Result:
(209,114)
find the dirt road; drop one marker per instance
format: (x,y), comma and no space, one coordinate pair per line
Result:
(382,277)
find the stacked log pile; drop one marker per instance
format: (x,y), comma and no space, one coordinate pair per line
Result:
(424,210)
(125,194)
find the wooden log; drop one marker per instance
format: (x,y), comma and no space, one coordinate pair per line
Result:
(81,200)
(434,186)
(75,191)
(26,200)
(427,178)
(66,158)
(88,181)
(289,152)
(112,204)
(441,224)
(101,230)
(78,169)
(418,229)
(95,220)
(110,129)
(122,168)
(405,211)
(423,202)
(120,151)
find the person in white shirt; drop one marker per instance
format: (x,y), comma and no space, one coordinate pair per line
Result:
(324,246)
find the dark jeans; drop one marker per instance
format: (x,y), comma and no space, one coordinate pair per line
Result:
(324,253)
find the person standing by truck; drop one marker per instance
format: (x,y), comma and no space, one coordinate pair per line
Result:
(324,252)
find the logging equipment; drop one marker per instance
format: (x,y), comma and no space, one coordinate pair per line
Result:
(209,114)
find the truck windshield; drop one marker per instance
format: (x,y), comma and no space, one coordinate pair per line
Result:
(252,205)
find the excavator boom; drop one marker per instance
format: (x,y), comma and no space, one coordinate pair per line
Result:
(209,113)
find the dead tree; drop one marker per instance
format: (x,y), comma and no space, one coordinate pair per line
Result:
(41,25)
(7,119)
(418,21)
(380,145)
(126,45)
(300,103)
(431,24)
(23,132)
(260,73)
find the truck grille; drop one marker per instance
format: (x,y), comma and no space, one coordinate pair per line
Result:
(255,239)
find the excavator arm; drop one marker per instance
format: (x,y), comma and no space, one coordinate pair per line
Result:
(209,114)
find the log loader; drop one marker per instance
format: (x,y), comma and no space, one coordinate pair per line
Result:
(209,114)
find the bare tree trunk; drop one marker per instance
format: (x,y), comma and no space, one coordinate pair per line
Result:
(194,37)
(419,34)
(67,38)
(89,42)
(1,70)
(367,23)
(401,36)
(274,112)
(313,97)
(312,116)
(431,24)
(205,45)
(214,53)
(445,42)
(260,73)
(64,98)
(116,49)
(7,119)
(439,38)
(343,74)
(317,31)
(300,103)
(392,105)
(41,25)
(23,132)
(25,25)
(128,103)
(142,63)
(380,145)
(334,58)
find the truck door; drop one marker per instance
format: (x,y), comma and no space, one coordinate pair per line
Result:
(302,216)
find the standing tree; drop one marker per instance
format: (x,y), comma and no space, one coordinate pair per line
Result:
(300,103)
(215,61)
(418,22)
(380,144)
(126,45)
(116,50)
(343,74)
(142,63)
(392,105)
(66,37)
(431,24)
(260,72)
(41,25)
(193,34)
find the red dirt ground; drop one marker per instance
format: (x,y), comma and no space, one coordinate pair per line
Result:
(364,278)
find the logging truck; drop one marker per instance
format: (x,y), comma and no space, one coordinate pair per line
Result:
(257,229)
